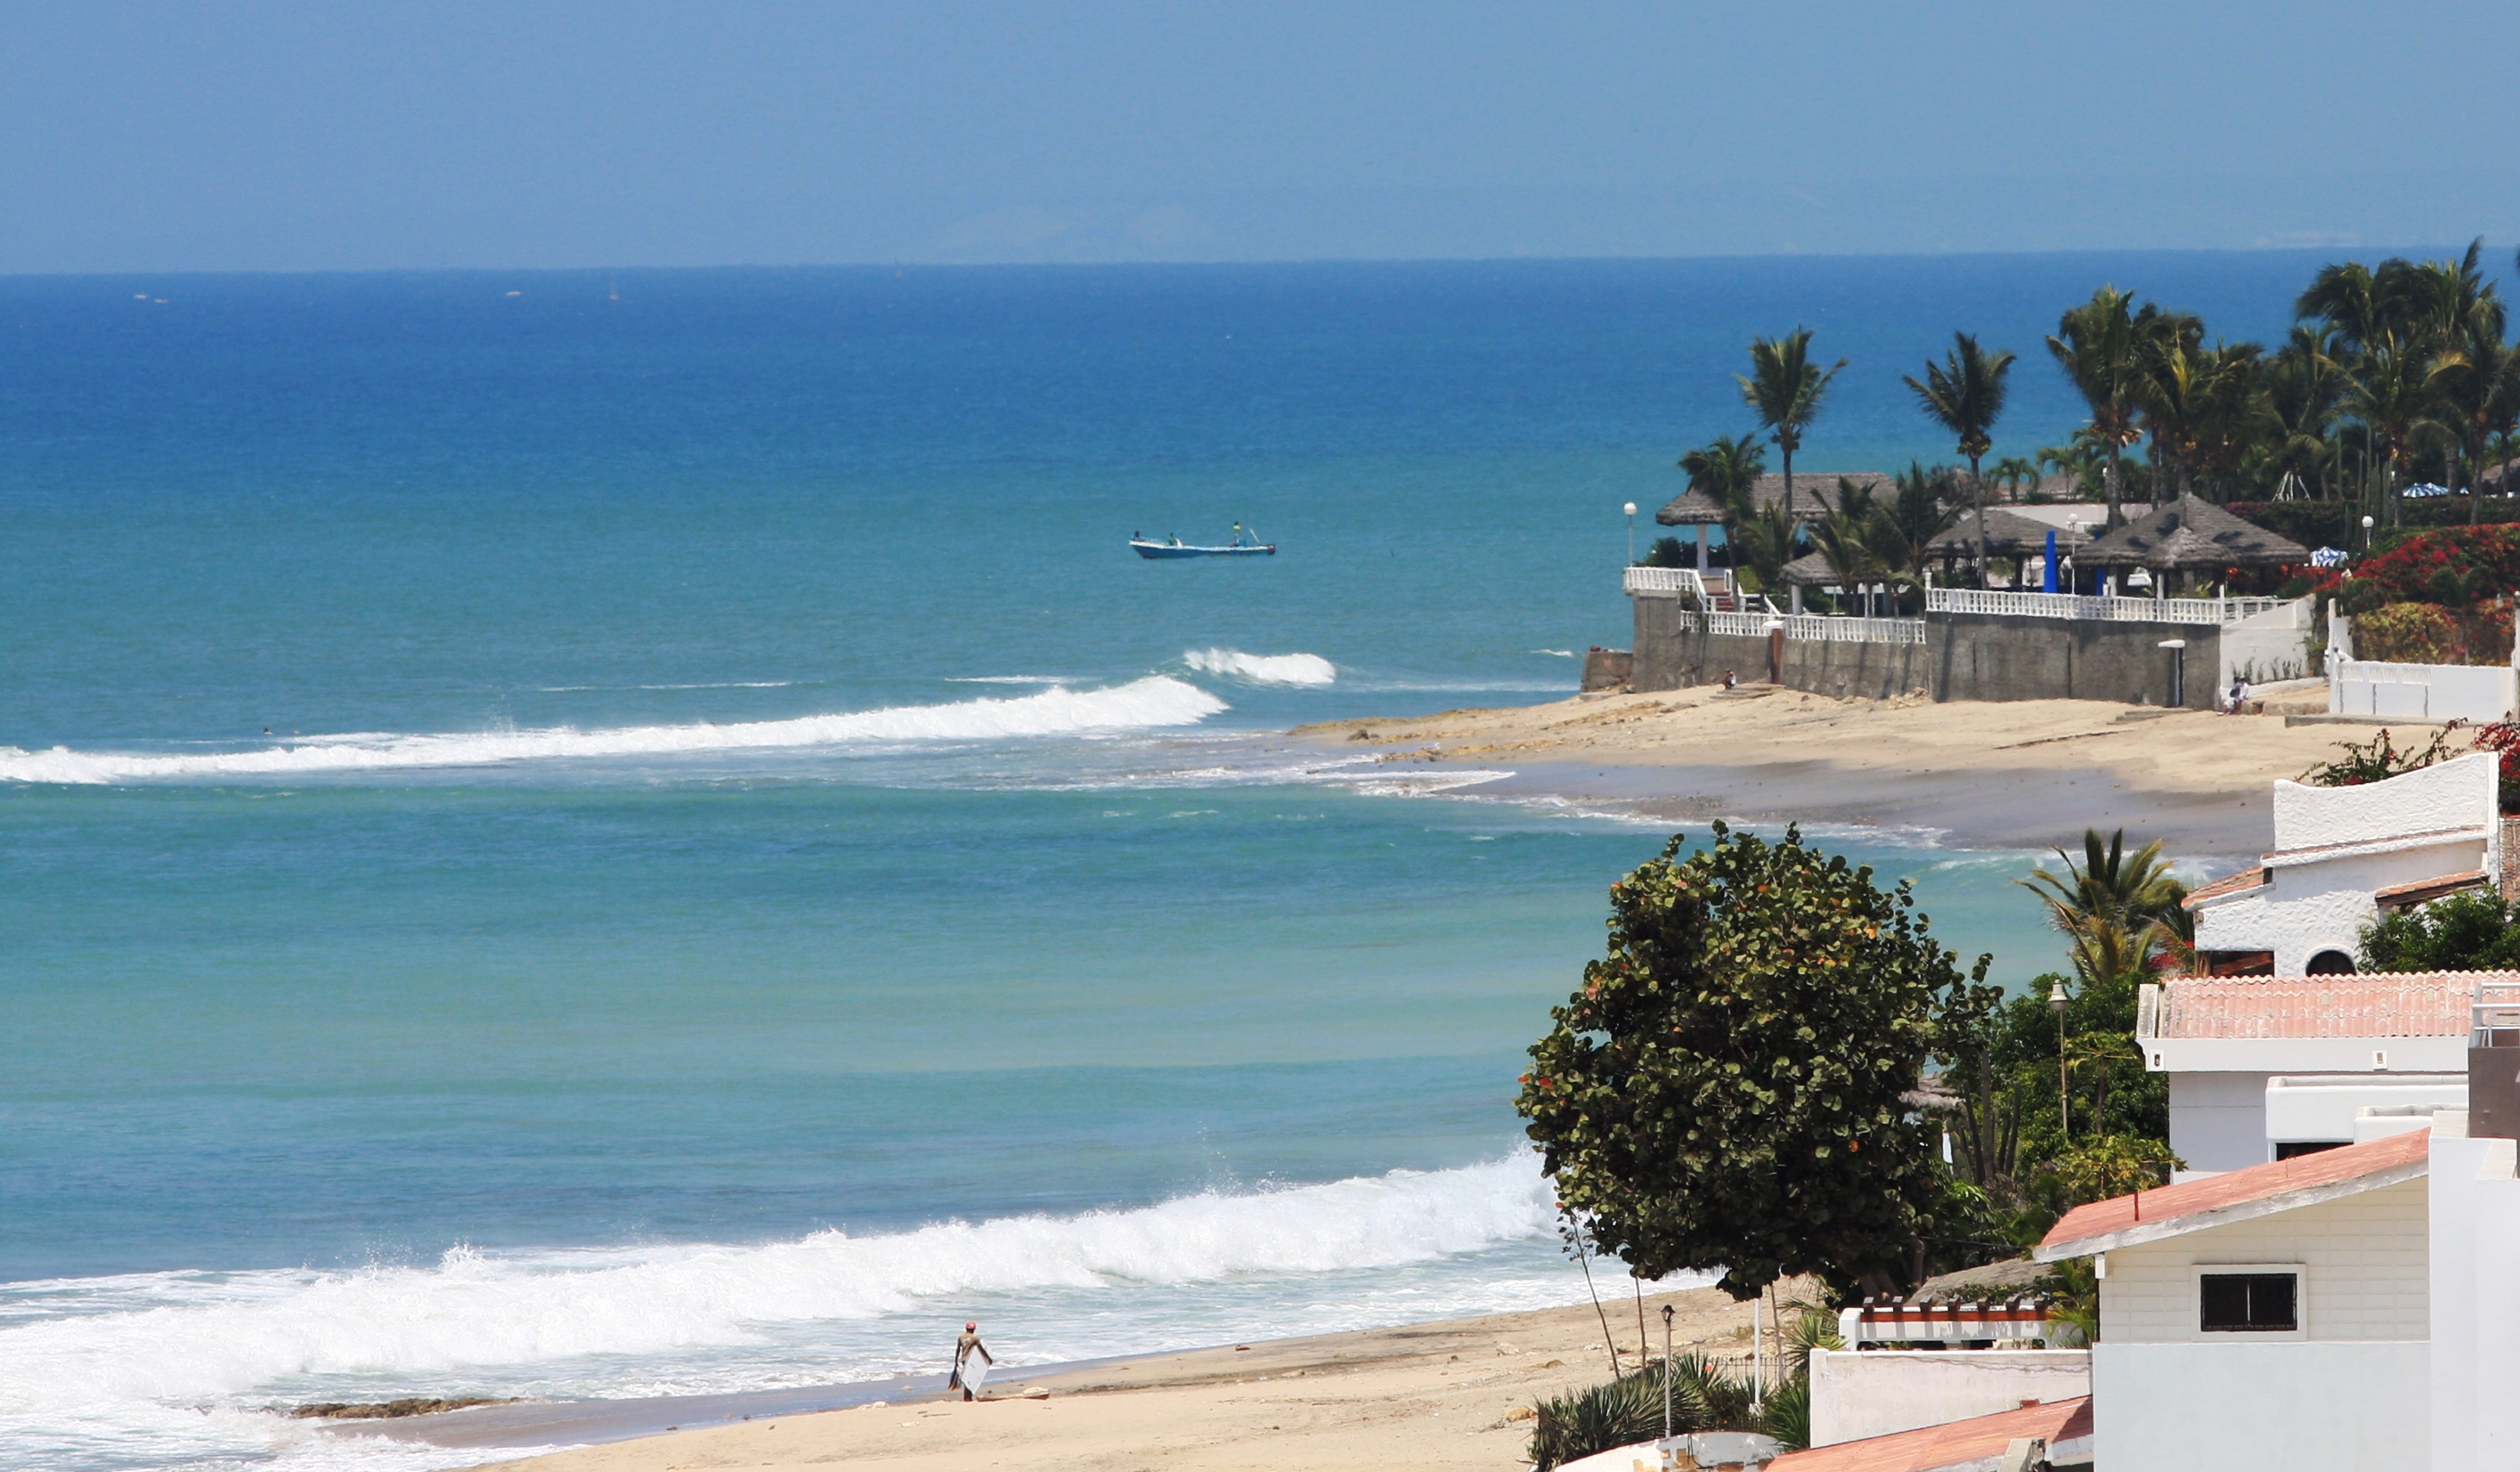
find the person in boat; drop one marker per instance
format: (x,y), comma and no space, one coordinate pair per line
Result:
(965,1345)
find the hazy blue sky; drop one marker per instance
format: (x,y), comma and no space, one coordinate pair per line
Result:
(290,137)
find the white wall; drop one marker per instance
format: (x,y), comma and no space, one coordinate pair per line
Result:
(2325,1108)
(2336,1406)
(2269,646)
(2477,692)
(2217,1120)
(2366,1272)
(2305,909)
(2476,1300)
(1855,1394)
(2456,793)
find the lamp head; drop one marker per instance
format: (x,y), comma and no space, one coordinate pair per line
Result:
(1632,508)
(2366,524)
(2057,999)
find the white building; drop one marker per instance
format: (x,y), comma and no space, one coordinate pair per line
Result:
(2275,1316)
(2343,853)
(2269,1067)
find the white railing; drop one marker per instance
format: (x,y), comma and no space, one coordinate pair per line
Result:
(1822,629)
(2153,610)
(1671,582)
(1811,628)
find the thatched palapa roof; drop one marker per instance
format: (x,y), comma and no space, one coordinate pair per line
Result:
(2008,534)
(1814,496)
(2192,534)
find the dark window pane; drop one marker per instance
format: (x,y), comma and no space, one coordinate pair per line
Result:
(2289,1149)
(2247,1302)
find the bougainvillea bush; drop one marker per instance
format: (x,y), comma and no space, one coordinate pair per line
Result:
(2467,572)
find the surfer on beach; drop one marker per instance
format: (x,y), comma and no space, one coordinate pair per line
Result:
(966,1376)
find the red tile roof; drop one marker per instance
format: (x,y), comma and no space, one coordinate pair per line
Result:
(2371,1004)
(2247,879)
(1953,1443)
(2428,889)
(2168,1211)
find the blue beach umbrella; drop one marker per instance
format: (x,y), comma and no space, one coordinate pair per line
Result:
(2047,574)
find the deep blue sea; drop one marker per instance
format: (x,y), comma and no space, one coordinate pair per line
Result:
(641,832)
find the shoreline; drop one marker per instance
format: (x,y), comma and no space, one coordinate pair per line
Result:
(1971,774)
(1439,1394)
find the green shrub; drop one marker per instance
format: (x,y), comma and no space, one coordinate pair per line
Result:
(1787,1413)
(2408,634)
(1669,552)
(2474,931)
(1603,1418)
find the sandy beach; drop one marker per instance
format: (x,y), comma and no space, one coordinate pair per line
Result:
(2027,774)
(1425,1396)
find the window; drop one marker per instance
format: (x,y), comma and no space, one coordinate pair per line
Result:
(2331,963)
(2249,1303)
(2291,1150)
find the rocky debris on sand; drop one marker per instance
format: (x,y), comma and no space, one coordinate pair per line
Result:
(382,1410)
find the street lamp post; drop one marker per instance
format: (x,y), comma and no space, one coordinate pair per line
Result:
(2057,1001)
(1666,1372)
(1632,534)
(2367,534)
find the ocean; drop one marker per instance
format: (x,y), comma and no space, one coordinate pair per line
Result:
(640,833)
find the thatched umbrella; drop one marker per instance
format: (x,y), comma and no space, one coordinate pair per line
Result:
(1814,496)
(2008,534)
(2193,536)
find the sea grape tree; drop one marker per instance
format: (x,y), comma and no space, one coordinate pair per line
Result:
(1726,1090)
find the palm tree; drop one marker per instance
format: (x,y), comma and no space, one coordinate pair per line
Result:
(1727,471)
(2350,300)
(2392,394)
(1964,394)
(2478,382)
(1914,516)
(2014,471)
(1784,390)
(2304,389)
(2116,908)
(1846,536)
(2095,344)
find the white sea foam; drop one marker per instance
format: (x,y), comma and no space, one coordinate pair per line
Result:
(1155,701)
(1262,669)
(161,1338)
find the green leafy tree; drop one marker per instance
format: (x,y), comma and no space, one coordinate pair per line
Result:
(1965,393)
(1726,1090)
(1847,535)
(1784,390)
(2474,931)
(1727,471)
(2095,344)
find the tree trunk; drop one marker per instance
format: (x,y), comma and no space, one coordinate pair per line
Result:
(1977,493)
(2110,474)
(1788,455)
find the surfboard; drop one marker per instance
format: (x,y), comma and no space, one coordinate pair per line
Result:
(975,1369)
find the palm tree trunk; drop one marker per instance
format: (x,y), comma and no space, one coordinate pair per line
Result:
(2475,453)
(1788,455)
(1977,493)
(2110,474)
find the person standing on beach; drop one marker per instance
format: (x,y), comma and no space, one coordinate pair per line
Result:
(965,1345)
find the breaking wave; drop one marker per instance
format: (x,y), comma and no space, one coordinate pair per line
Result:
(182,1337)
(1262,669)
(1157,701)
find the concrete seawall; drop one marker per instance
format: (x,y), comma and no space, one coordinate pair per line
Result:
(1966,656)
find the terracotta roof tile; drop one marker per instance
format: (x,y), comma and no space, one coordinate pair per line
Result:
(2247,879)
(2371,1004)
(2257,1183)
(1950,1445)
(2428,889)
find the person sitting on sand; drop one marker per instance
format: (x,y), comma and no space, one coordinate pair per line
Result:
(2238,700)
(965,1345)
(1729,681)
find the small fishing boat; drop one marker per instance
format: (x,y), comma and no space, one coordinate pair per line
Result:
(1246,544)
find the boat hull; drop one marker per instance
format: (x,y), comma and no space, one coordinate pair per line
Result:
(1165,551)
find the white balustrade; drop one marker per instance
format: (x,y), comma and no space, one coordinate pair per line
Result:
(2078,605)
(1810,628)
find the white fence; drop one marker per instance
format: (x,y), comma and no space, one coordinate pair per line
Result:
(2157,611)
(1807,628)
(1662,582)
(2472,692)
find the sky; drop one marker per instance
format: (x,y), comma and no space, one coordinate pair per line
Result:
(293,137)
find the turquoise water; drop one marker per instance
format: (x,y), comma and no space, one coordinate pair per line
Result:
(557,845)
